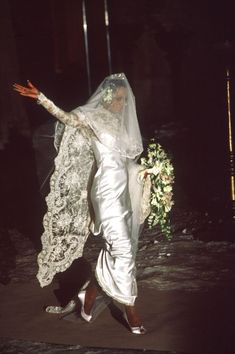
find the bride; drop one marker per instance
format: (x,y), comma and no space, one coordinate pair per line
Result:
(95,186)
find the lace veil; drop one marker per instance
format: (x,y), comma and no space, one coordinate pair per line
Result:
(111,114)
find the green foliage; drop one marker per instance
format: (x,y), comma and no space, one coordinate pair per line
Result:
(158,165)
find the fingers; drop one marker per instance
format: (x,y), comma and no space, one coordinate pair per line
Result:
(30,84)
(23,92)
(19,87)
(29,91)
(29,88)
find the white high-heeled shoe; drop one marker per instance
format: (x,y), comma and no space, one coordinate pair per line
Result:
(70,307)
(137,329)
(99,305)
(82,296)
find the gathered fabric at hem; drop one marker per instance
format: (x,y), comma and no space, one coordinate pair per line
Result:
(107,292)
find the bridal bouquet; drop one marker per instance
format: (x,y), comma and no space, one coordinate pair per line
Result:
(159,167)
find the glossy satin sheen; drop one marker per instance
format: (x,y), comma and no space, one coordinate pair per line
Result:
(115,268)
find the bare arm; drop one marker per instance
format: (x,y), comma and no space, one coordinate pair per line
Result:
(31,91)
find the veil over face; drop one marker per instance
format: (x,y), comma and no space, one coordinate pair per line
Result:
(111,114)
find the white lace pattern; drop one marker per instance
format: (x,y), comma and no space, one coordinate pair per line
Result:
(66,222)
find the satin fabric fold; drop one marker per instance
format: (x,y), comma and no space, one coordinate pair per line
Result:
(115,269)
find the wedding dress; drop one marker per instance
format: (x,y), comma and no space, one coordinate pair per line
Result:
(96,162)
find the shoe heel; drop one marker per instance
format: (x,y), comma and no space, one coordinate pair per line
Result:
(81,296)
(135,330)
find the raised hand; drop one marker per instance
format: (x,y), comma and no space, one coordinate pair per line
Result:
(30,91)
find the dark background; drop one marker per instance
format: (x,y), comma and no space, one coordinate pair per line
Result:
(175,55)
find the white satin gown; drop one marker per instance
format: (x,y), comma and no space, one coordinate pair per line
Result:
(115,269)
(116,198)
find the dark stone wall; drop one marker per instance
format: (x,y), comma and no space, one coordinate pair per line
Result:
(174,53)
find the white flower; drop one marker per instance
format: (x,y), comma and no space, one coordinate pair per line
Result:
(155,169)
(161,171)
(108,95)
(167,188)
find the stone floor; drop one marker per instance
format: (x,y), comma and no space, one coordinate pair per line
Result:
(21,347)
(198,259)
